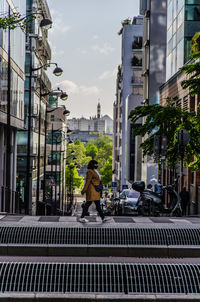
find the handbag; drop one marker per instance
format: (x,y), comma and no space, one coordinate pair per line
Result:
(98,188)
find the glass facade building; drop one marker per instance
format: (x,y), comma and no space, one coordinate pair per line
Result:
(12,53)
(183,21)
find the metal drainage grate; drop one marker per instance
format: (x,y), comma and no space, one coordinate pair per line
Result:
(99,236)
(100,278)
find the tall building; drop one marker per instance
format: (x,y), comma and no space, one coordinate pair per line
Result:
(128,95)
(183,21)
(154,64)
(12,77)
(98,110)
(31,158)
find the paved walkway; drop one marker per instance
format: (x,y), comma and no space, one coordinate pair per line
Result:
(94,220)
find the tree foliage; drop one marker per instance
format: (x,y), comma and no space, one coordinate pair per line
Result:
(79,152)
(72,178)
(91,150)
(15,20)
(167,121)
(106,172)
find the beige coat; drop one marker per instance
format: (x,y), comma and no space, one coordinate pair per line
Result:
(92,179)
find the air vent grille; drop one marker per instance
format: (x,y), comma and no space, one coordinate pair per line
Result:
(102,236)
(99,278)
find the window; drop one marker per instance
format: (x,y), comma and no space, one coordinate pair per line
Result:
(52,118)
(180,54)
(136,61)
(192,13)
(137,43)
(133,194)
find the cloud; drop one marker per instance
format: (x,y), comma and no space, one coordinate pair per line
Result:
(95,37)
(59,24)
(108,74)
(105,49)
(73,88)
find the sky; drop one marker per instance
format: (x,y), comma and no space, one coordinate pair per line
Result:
(86,45)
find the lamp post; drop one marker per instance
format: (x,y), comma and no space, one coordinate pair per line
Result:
(8,136)
(39,134)
(45,24)
(62,95)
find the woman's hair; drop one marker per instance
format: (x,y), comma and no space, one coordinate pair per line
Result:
(91,164)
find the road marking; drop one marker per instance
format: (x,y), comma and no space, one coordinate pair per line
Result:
(180,220)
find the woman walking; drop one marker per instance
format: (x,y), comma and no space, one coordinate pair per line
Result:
(92,188)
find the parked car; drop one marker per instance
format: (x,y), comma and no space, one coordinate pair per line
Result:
(126,203)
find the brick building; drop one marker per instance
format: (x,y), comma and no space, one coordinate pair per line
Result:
(191,180)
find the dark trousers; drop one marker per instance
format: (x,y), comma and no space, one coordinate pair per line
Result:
(98,207)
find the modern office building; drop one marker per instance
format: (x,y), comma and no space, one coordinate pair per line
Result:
(154,64)
(12,77)
(183,21)
(129,90)
(30,143)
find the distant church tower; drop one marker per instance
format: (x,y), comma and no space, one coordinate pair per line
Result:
(98,111)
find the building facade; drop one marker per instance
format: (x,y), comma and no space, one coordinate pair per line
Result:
(129,90)
(183,21)
(191,179)
(99,124)
(12,77)
(154,65)
(55,175)
(30,142)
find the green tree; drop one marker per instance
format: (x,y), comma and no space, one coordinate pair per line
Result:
(167,121)
(79,152)
(16,20)
(103,154)
(102,140)
(72,178)
(106,172)
(91,150)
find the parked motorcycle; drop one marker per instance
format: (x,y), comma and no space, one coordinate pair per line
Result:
(152,204)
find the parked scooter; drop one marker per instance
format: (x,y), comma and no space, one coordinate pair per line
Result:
(152,204)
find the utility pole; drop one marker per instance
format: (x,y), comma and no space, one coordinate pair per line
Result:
(8,136)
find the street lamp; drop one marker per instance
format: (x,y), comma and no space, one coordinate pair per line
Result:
(46,24)
(64,96)
(57,71)
(52,136)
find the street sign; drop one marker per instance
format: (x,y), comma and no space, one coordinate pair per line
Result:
(124,187)
(51,182)
(114,184)
(183,137)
